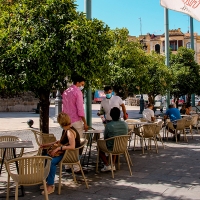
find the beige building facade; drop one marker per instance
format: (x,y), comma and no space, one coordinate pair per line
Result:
(177,39)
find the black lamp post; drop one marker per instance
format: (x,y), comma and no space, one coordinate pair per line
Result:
(141,104)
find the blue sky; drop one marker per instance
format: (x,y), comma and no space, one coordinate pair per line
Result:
(126,13)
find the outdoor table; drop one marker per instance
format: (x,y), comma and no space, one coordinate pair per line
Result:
(13,145)
(89,144)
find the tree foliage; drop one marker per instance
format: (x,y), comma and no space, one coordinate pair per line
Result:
(186,73)
(43,42)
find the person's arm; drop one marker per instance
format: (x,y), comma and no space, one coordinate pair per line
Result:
(48,144)
(124,111)
(152,116)
(85,123)
(71,137)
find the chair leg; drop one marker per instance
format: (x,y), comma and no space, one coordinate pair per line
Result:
(176,135)
(97,164)
(8,188)
(127,160)
(156,145)
(118,162)
(130,161)
(134,142)
(111,162)
(161,140)
(185,135)
(59,182)
(142,145)
(74,177)
(45,190)
(83,176)
(16,191)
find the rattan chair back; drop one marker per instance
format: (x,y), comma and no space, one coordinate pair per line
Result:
(31,171)
(149,130)
(9,151)
(43,138)
(72,157)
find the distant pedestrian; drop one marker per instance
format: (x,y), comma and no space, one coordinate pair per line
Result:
(110,102)
(73,105)
(148,113)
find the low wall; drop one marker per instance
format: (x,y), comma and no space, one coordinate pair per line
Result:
(23,103)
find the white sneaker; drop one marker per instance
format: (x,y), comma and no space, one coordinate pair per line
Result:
(106,168)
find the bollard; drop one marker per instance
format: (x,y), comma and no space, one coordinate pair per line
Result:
(141,104)
(58,105)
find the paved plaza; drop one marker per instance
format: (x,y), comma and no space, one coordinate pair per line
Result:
(172,174)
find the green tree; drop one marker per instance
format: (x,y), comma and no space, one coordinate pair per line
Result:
(132,70)
(43,42)
(186,73)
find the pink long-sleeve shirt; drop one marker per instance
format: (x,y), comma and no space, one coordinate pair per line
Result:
(73,103)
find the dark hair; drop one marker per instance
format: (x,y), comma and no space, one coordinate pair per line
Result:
(76,79)
(171,105)
(115,113)
(188,105)
(149,105)
(107,88)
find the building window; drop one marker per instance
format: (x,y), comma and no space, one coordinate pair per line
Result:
(157,48)
(188,45)
(173,45)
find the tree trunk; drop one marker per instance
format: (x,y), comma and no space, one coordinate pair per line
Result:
(44,111)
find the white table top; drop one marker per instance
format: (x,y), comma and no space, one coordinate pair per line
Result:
(94,131)
(16,144)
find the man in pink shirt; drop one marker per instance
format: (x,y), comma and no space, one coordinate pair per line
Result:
(73,104)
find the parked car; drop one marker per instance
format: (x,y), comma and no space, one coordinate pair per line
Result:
(180,101)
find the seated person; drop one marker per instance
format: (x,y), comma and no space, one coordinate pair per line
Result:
(148,113)
(183,109)
(188,109)
(174,115)
(70,139)
(114,128)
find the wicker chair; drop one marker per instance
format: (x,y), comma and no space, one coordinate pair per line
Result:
(130,129)
(180,127)
(43,138)
(32,171)
(143,120)
(9,152)
(72,157)
(158,129)
(194,123)
(149,131)
(119,147)
(138,133)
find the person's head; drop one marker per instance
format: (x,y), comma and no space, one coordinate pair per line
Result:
(150,106)
(108,91)
(64,120)
(188,105)
(183,106)
(115,113)
(79,81)
(171,106)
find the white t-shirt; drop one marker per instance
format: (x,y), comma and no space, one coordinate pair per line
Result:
(147,114)
(108,104)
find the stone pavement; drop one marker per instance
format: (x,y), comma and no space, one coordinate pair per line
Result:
(172,174)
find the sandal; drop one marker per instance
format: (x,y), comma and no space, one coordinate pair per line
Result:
(49,192)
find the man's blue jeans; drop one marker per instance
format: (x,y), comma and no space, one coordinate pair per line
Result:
(52,173)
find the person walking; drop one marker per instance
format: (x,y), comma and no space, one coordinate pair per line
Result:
(109,102)
(73,105)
